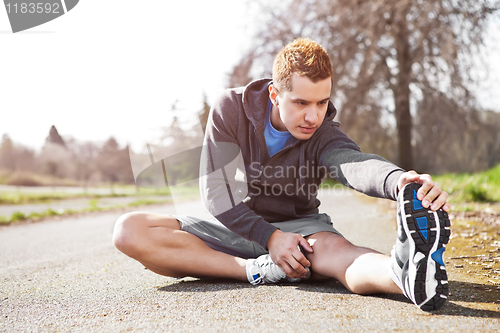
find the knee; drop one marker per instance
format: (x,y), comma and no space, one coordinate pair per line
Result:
(332,244)
(331,249)
(126,232)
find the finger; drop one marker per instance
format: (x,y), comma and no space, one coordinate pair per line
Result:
(432,195)
(305,245)
(301,258)
(406,178)
(290,268)
(297,266)
(427,185)
(440,201)
(286,268)
(412,176)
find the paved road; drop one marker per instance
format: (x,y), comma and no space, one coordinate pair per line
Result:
(65,275)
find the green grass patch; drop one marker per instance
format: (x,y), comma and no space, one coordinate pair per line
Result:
(24,197)
(143,202)
(93,207)
(18,216)
(21,198)
(93,204)
(472,187)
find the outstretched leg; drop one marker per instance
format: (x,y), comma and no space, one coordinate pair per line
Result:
(157,241)
(359,269)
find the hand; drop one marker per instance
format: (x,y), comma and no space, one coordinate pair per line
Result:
(284,251)
(429,193)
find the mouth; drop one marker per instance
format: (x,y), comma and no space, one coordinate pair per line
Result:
(307,129)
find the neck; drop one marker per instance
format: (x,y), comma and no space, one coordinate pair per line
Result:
(276,120)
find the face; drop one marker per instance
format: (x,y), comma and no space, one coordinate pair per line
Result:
(302,110)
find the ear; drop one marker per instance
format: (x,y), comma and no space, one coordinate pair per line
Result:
(273,94)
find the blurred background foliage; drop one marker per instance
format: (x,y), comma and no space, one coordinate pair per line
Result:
(406,75)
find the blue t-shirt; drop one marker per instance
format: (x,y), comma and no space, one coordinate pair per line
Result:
(275,140)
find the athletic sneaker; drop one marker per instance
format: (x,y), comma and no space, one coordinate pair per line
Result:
(417,258)
(263,270)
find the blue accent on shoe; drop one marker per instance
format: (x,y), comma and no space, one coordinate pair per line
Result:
(438,256)
(417,205)
(256,276)
(424,233)
(422,225)
(422,222)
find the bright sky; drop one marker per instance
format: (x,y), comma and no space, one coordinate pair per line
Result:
(115,67)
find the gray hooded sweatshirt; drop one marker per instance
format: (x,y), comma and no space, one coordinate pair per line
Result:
(245,188)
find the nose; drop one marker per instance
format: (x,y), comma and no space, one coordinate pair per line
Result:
(311,115)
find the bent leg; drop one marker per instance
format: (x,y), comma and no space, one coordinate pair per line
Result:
(157,241)
(359,269)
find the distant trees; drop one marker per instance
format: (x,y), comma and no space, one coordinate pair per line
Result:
(85,156)
(15,157)
(86,163)
(54,137)
(179,138)
(59,158)
(7,157)
(393,60)
(203,113)
(113,163)
(55,158)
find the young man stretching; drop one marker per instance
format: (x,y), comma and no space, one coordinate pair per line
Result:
(281,136)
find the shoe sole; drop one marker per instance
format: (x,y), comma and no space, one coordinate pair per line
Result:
(430,232)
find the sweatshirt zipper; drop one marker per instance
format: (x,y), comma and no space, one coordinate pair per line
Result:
(263,165)
(261,171)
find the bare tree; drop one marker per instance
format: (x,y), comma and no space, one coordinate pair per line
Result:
(54,137)
(7,154)
(16,157)
(85,159)
(385,54)
(204,113)
(108,161)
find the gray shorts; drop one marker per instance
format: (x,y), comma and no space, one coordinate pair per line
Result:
(220,238)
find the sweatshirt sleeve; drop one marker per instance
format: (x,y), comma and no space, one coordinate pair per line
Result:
(222,174)
(367,173)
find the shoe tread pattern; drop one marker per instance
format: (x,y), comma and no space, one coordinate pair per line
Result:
(424,245)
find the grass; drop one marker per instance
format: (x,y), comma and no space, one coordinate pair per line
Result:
(93,207)
(481,187)
(23,198)
(473,188)
(19,198)
(468,192)
(35,216)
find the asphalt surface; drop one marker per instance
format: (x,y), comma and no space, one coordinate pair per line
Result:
(65,275)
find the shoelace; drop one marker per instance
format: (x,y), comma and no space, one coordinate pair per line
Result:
(269,268)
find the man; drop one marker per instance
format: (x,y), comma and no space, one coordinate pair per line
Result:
(281,136)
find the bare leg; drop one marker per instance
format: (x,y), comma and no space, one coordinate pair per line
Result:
(359,269)
(157,242)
